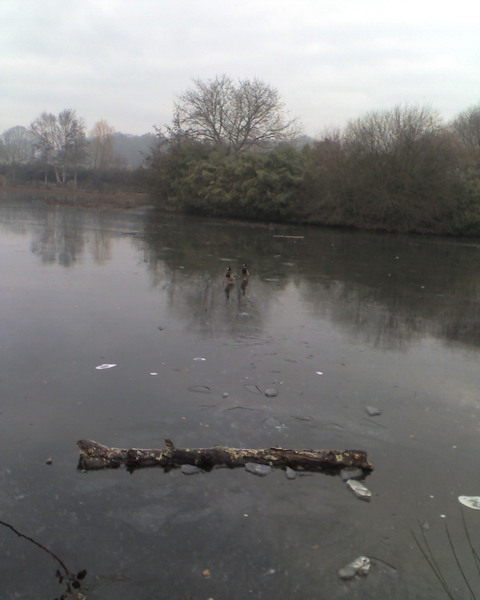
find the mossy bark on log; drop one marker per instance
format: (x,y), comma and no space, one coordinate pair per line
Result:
(95,456)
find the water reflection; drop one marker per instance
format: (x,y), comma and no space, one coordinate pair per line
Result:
(228,290)
(388,291)
(60,238)
(63,234)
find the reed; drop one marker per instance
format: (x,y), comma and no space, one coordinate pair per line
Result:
(469,583)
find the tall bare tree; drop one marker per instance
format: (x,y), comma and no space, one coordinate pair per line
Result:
(102,145)
(71,142)
(60,142)
(239,116)
(44,129)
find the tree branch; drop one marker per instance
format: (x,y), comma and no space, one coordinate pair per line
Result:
(95,456)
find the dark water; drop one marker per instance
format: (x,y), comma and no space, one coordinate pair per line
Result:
(389,321)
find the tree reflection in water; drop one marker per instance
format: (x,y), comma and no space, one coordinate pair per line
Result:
(390,290)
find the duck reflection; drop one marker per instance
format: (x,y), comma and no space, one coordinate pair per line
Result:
(228,289)
(245,276)
(243,286)
(228,282)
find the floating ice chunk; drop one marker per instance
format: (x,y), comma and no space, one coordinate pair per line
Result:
(470,501)
(258,469)
(199,358)
(372,411)
(319,372)
(271,392)
(190,469)
(105,366)
(272,422)
(359,566)
(200,389)
(359,490)
(290,473)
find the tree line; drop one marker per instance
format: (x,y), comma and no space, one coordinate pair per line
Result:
(231,151)
(57,150)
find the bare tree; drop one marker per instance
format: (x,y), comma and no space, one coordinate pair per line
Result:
(382,132)
(77,148)
(467,128)
(16,147)
(44,128)
(71,142)
(239,116)
(60,142)
(102,145)
(401,146)
(394,169)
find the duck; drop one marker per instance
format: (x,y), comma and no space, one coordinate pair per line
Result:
(245,273)
(228,275)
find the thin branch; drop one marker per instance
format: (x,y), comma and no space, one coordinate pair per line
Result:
(41,546)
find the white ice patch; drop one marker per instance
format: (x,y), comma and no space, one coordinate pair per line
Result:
(470,501)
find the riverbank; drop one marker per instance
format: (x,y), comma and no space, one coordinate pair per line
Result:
(84,198)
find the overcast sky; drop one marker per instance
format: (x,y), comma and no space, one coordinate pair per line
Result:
(331,60)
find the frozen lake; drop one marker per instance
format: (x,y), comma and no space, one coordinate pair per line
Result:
(335,321)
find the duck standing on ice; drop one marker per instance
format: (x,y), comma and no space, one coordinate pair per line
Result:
(228,275)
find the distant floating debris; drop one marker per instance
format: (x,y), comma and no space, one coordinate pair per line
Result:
(290,237)
(105,366)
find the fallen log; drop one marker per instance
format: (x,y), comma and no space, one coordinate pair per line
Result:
(95,456)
